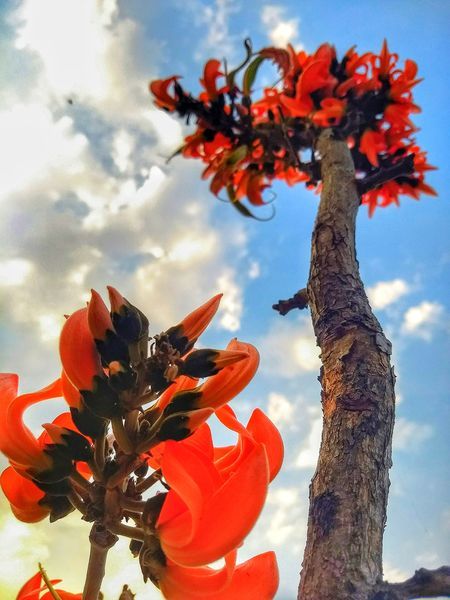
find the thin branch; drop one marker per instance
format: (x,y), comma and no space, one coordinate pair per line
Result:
(298,300)
(402,168)
(128,531)
(101,541)
(100,450)
(147,483)
(80,482)
(77,502)
(126,594)
(424,583)
(121,435)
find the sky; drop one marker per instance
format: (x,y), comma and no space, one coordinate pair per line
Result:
(88,199)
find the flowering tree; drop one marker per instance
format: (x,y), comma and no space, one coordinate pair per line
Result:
(342,127)
(137,419)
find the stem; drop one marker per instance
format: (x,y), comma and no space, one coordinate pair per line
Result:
(124,470)
(80,482)
(146,444)
(77,502)
(136,506)
(121,435)
(135,533)
(349,491)
(48,583)
(148,482)
(101,541)
(99,451)
(131,422)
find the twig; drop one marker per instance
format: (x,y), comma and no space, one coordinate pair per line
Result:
(298,300)
(148,482)
(128,531)
(121,435)
(402,168)
(101,541)
(424,583)
(77,502)
(80,482)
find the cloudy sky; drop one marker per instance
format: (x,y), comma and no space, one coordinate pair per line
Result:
(87,199)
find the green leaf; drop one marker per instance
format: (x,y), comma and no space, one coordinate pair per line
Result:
(250,75)
(241,208)
(178,151)
(237,155)
(232,74)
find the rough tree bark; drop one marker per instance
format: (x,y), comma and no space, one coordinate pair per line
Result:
(349,491)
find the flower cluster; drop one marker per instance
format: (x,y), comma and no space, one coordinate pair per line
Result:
(246,143)
(138,412)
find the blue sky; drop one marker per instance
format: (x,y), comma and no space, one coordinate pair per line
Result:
(87,199)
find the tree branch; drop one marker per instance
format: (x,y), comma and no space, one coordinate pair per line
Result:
(101,541)
(403,167)
(298,300)
(423,584)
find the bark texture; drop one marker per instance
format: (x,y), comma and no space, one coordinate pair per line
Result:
(349,491)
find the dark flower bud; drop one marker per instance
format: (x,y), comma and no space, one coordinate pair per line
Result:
(69,443)
(59,506)
(86,421)
(103,401)
(58,488)
(129,322)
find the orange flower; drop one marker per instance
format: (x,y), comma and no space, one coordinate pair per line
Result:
(218,389)
(16,440)
(255,579)
(190,532)
(159,89)
(79,356)
(371,144)
(23,496)
(210,74)
(184,335)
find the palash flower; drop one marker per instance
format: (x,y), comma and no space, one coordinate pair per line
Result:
(23,496)
(255,579)
(138,401)
(206,482)
(17,442)
(246,143)
(39,465)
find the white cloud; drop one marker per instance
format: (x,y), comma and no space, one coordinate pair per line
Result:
(70,38)
(231,305)
(168,131)
(214,19)
(408,435)
(290,348)
(254,270)
(34,146)
(384,293)
(393,574)
(421,320)
(309,452)
(14,271)
(280,410)
(285,519)
(280,30)
(122,147)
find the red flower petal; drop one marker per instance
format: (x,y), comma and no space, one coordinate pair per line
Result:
(23,496)
(79,356)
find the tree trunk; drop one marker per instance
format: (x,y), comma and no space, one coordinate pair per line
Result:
(349,491)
